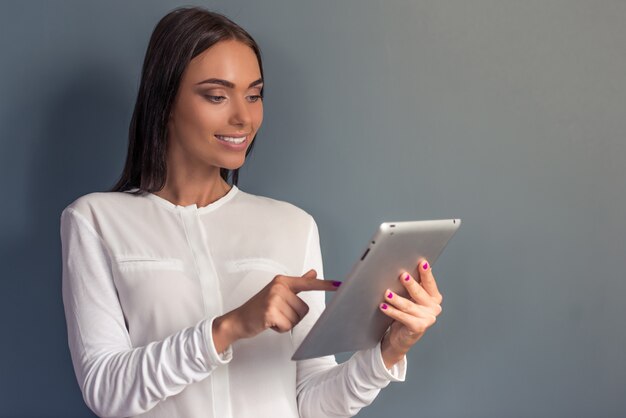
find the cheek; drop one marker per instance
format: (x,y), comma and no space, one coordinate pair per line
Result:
(199,116)
(186,119)
(203,124)
(257,117)
(210,120)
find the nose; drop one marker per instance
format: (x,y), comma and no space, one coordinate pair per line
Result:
(240,114)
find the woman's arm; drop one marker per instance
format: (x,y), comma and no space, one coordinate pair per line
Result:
(115,378)
(324,388)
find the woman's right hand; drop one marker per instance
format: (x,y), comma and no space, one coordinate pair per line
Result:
(276,306)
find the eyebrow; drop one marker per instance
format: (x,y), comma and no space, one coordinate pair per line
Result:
(227,83)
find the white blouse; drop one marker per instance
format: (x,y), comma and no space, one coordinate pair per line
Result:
(143,280)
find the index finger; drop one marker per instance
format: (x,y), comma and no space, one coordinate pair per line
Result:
(303,284)
(427,280)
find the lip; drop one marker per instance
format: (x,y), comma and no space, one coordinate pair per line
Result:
(235,135)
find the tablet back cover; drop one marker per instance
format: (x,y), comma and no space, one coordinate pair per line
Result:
(352,320)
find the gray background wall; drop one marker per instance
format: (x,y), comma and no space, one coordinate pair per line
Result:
(508,114)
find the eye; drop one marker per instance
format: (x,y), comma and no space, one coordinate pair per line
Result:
(215,99)
(255,98)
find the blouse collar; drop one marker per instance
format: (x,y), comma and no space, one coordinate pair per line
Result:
(203,209)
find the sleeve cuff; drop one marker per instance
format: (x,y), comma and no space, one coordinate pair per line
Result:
(397,373)
(211,355)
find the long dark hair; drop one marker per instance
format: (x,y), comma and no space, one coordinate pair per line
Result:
(179,36)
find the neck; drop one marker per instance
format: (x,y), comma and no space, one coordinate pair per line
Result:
(188,189)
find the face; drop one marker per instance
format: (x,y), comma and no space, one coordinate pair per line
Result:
(217,110)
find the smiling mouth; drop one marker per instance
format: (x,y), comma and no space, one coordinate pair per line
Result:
(232,139)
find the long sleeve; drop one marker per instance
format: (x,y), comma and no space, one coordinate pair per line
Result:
(115,378)
(324,388)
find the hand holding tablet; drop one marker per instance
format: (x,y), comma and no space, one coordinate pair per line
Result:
(354,319)
(412,316)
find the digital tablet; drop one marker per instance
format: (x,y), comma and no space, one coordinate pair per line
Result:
(352,320)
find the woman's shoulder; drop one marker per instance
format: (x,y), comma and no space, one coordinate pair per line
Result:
(90,203)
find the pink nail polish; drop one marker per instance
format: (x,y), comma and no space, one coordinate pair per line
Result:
(406,277)
(390,295)
(425,266)
(383,306)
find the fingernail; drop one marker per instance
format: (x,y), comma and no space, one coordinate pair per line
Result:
(383,306)
(336,284)
(425,266)
(390,295)
(406,277)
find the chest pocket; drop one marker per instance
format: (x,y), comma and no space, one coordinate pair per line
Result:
(259,264)
(134,263)
(245,277)
(148,277)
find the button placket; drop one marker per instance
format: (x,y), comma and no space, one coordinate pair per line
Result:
(209,282)
(212,298)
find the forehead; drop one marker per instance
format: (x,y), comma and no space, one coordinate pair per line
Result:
(229,60)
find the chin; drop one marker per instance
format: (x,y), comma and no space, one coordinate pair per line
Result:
(232,165)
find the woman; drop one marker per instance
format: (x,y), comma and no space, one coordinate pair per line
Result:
(185,296)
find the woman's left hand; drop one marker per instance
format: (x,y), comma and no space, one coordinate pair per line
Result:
(413,316)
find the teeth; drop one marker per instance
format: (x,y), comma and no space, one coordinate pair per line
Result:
(231,139)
